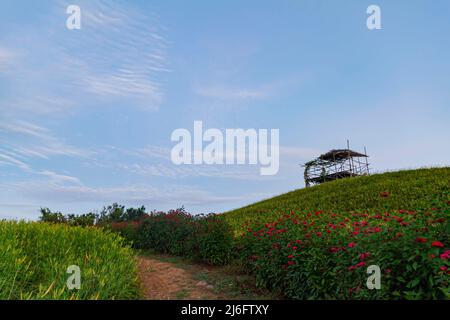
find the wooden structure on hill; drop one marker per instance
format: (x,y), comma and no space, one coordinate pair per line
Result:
(336,164)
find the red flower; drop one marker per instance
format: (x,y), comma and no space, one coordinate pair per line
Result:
(421,240)
(294,248)
(377,229)
(443,268)
(445,255)
(384,194)
(298,241)
(355,233)
(363,256)
(291,263)
(351,244)
(291,256)
(351,268)
(398,234)
(319,234)
(437,244)
(360,264)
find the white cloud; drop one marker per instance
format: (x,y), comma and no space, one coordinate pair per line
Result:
(45,192)
(33,141)
(9,159)
(24,128)
(59,178)
(118,55)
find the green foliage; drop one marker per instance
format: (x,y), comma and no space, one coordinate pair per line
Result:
(109,214)
(214,240)
(34,258)
(51,217)
(83,220)
(203,238)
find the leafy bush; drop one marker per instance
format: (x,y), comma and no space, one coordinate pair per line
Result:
(118,213)
(214,240)
(324,255)
(52,217)
(165,233)
(204,238)
(109,214)
(34,258)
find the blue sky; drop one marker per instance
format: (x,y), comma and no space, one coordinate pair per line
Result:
(86,115)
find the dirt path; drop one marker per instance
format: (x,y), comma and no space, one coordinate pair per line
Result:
(165,280)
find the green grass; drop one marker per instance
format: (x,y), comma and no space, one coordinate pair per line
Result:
(409,189)
(34,258)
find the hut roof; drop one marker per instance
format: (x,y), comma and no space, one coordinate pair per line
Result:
(339,154)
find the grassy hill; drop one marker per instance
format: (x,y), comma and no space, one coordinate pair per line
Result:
(408,190)
(317,243)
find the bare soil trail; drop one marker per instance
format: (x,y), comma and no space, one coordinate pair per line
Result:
(166,281)
(170,278)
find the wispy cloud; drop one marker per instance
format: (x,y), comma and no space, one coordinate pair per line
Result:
(249,173)
(59,178)
(31,140)
(8,159)
(118,55)
(132,194)
(24,128)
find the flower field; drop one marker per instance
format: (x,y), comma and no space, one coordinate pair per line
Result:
(317,243)
(34,258)
(325,255)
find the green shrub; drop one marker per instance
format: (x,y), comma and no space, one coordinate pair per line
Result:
(165,233)
(204,238)
(214,240)
(110,214)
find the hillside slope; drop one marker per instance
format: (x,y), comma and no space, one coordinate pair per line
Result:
(408,190)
